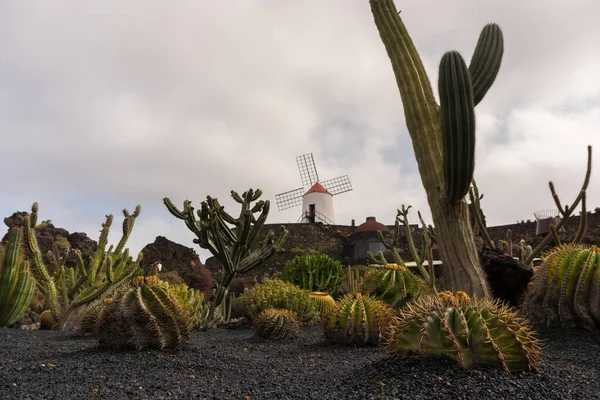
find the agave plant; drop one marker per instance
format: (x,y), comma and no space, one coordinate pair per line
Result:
(466,330)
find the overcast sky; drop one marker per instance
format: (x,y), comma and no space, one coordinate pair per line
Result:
(108,104)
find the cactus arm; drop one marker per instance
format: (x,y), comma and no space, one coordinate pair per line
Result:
(581,230)
(475,200)
(486,60)
(566,212)
(128,224)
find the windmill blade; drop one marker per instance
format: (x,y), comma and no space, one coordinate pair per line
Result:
(337,185)
(308,170)
(289,199)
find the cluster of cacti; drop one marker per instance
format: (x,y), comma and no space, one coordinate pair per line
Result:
(234,246)
(277,324)
(565,289)
(202,316)
(17,285)
(469,331)
(144,315)
(278,294)
(315,272)
(357,319)
(394,284)
(69,290)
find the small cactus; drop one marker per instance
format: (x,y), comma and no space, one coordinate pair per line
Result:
(467,330)
(357,319)
(394,284)
(277,324)
(324,301)
(565,289)
(144,315)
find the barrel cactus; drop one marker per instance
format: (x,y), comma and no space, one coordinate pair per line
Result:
(324,301)
(144,315)
(277,324)
(357,319)
(394,284)
(16,281)
(565,289)
(91,315)
(467,330)
(278,294)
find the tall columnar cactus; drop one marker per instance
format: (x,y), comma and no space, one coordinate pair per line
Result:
(278,294)
(395,285)
(234,246)
(277,324)
(444,136)
(69,290)
(16,282)
(469,331)
(145,315)
(357,319)
(315,272)
(565,289)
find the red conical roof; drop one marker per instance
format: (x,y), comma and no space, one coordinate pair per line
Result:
(317,188)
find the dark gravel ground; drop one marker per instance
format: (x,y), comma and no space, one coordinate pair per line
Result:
(233,364)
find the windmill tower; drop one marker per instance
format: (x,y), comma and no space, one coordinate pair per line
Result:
(317,201)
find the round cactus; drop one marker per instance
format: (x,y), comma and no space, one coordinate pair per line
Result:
(277,324)
(357,319)
(324,301)
(91,314)
(467,330)
(145,315)
(394,284)
(565,289)
(277,294)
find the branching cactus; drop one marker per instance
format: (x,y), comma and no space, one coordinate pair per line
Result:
(395,285)
(565,289)
(278,294)
(357,319)
(315,272)
(234,246)
(444,136)
(469,331)
(69,290)
(16,282)
(145,315)
(277,324)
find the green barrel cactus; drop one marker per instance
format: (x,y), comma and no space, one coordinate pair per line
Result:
(144,315)
(16,282)
(277,294)
(357,319)
(394,284)
(324,301)
(277,324)
(91,316)
(565,289)
(467,330)
(315,272)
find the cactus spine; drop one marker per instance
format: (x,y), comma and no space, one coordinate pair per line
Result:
(233,247)
(443,182)
(469,331)
(276,324)
(565,289)
(16,282)
(357,319)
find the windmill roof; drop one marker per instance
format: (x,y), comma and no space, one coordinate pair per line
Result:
(316,188)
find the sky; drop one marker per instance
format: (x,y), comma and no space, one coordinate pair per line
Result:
(106,104)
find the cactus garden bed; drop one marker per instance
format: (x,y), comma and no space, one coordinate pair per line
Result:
(235,364)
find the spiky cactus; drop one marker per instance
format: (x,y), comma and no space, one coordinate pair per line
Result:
(315,272)
(69,290)
(394,284)
(16,282)
(469,331)
(144,315)
(278,294)
(91,315)
(276,324)
(324,301)
(444,136)
(234,247)
(357,319)
(565,289)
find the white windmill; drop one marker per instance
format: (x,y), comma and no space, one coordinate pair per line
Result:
(317,201)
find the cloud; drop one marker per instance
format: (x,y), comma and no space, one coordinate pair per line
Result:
(108,104)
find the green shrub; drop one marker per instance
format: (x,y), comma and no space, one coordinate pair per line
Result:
(315,272)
